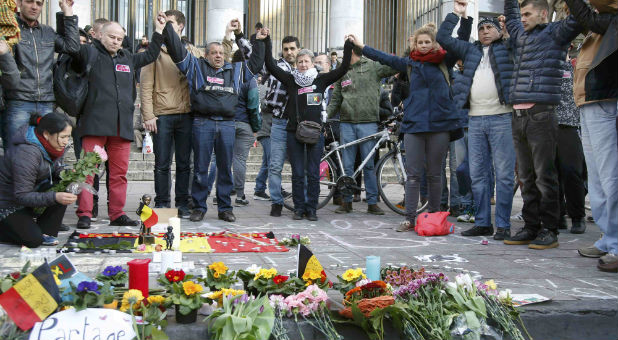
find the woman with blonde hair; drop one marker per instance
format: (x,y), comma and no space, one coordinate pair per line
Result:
(430,118)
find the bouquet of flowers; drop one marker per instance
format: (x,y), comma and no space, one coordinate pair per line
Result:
(219,294)
(294,240)
(89,294)
(349,280)
(402,276)
(116,276)
(218,276)
(311,277)
(87,165)
(242,317)
(367,291)
(173,276)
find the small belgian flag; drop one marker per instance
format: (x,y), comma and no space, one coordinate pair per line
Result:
(32,299)
(307,261)
(148,217)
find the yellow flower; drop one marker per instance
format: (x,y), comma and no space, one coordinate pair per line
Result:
(311,275)
(216,275)
(218,295)
(191,288)
(353,274)
(131,297)
(266,273)
(155,299)
(218,267)
(491,285)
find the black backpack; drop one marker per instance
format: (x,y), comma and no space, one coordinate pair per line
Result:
(71,86)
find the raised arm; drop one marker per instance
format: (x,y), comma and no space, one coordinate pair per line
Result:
(566,30)
(513,18)
(67,38)
(334,75)
(284,77)
(397,63)
(256,60)
(597,23)
(154,48)
(186,62)
(444,37)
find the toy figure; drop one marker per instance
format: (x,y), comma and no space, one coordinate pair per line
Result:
(145,237)
(169,237)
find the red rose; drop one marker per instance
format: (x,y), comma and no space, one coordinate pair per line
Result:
(15,275)
(279,279)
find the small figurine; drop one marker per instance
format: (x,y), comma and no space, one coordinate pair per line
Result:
(145,237)
(169,237)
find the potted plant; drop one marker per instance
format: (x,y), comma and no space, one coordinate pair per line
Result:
(116,276)
(218,276)
(172,276)
(186,298)
(90,294)
(350,279)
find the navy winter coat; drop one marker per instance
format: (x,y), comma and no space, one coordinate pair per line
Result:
(471,54)
(537,72)
(430,106)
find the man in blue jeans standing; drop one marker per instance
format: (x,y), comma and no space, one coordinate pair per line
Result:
(34,55)
(483,88)
(214,88)
(276,99)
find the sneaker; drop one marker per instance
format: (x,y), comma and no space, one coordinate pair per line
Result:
(608,263)
(311,216)
(591,251)
(197,215)
(275,210)
(478,231)
(241,201)
(184,212)
(49,240)
(124,221)
(405,226)
(562,224)
(83,222)
(298,216)
(261,196)
(285,194)
(524,236)
(227,216)
(344,208)
(502,234)
(374,209)
(546,239)
(578,227)
(95,211)
(517,217)
(472,219)
(464,218)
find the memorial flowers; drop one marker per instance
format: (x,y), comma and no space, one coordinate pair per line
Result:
(349,280)
(242,317)
(218,295)
(131,300)
(218,276)
(86,166)
(115,275)
(89,294)
(173,276)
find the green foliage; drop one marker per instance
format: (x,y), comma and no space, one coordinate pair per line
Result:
(253,319)
(86,166)
(186,303)
(88,299)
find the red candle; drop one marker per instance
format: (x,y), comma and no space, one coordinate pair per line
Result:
(138,275)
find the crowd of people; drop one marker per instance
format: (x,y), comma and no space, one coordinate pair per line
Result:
(521,104)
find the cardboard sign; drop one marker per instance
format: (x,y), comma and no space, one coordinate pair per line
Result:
(62,267)
(88,324)
(123,68)
(215,80)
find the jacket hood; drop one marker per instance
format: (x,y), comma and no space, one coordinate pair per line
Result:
(605,6)
(31,138)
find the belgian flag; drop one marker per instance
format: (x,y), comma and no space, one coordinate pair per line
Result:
(32,299)
(307,261)
(148,217)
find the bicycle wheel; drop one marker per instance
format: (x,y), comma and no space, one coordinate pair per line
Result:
(328,180)
(391,179)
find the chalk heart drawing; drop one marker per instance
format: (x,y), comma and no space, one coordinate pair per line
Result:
(440,258)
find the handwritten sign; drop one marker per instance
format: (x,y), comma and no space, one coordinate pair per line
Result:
(88,324)
(62,267)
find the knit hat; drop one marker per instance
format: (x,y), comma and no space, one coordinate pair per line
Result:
(491,21)
(605,6)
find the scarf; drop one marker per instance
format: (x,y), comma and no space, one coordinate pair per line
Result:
(434,57)
(53,153)
(305,79)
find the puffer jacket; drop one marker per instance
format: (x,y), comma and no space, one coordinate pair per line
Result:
(537,72)
(34,56)
(26,172)
(9,75)
(471,54)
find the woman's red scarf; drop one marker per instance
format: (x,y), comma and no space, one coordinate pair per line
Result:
(53,153)
(435,56)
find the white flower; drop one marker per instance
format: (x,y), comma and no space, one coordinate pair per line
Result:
(253,269)
(504,294)
(452,285)
(362,282)
(464,281)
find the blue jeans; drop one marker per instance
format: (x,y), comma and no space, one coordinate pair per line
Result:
(209,135)
(278,147)
(457,153)
(242,146)
(212,174)
(350,132)
(305,160)
(599,141)
(173,137)
(17,114)
(262,176)
(490,138)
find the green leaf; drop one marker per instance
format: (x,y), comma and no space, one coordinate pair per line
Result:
(6,285)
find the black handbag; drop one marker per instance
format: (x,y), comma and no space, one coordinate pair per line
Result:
(307,132)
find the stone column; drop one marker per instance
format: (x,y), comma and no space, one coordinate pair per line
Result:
(219,14)
(346,16)
(82,9)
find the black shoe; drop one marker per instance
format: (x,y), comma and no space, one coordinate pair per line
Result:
(124,221)
(311,216)
(285,194)
(502,234)
(275,210)
(478,231)
(190,204)
(298,216)
(562,224)
(64,227)
(545,240)
(83,222)
(197,215)
(578,227)
(95,211)
(241,201)
(184,212)
(227,216)
(261,196)
(524,236)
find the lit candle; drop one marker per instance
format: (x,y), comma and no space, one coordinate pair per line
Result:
(138,275)
(373,268)
(175,223)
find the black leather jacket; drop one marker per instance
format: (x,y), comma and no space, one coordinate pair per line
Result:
(34,56)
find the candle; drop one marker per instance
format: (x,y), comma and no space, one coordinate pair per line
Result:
(373,268)
(138,275)
(175,223)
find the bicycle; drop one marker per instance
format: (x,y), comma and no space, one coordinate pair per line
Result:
(390,171)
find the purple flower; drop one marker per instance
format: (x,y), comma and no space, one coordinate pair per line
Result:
(111,271)
(88,286)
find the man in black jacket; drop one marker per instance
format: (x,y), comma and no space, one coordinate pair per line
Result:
(214,86)
(107,116)
(34,56)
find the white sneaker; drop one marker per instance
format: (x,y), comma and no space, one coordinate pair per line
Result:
(517,217)
(463,218)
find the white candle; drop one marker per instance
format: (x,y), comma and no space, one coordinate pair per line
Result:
(175,223)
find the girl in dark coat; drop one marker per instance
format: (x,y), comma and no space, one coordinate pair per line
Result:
(27,171)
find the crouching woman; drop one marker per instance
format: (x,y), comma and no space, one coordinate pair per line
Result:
(27,171)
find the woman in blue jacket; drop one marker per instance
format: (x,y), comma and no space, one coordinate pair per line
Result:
(430,116)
